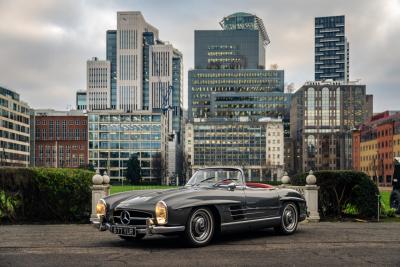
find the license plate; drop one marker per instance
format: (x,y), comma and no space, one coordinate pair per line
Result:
(123,230)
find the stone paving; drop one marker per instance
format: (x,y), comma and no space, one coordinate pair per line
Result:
(323,244)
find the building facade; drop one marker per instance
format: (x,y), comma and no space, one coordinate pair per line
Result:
(230,84)
(111,56)
(115,136)
(144,75)
(98,84)
(331,49)
(60,139)
(256,146)
(322,117)
(81,100)
(14,129)
(375,144)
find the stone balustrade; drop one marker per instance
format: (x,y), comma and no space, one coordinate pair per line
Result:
(100,189)
(310,193)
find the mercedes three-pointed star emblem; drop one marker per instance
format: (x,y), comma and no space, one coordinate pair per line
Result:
(125,217)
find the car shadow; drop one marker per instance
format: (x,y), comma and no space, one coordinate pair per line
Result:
(158,242)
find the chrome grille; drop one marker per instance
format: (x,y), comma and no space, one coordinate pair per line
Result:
(135,217)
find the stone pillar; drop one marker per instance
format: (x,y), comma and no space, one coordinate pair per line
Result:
(311,196)
(100,189)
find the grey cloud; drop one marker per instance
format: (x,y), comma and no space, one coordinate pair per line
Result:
(44,44)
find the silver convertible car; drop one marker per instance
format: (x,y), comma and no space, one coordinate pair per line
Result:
(214,200)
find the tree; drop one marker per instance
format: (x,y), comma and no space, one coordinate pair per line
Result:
(88,167)
(134,171)
(157,166)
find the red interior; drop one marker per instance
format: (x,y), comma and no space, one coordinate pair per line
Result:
(259,185)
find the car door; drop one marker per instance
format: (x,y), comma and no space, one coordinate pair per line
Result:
(261,203)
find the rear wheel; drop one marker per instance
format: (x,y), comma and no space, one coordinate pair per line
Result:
(289,219)
(132,238)
(200,227)
(395,201)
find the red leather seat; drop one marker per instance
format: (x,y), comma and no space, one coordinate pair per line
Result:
(259,185)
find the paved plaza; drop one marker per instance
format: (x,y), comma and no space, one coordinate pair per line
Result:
(323,244)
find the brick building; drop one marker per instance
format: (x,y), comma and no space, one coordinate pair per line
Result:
(375,144)
(59,139)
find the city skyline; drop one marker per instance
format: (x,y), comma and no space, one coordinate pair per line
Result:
(50,41)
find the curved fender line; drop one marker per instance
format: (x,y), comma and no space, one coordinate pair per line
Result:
(292,199)
(207,203)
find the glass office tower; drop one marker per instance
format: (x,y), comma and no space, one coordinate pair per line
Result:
(331,49)
(230,85)
(115,136)
(111,56)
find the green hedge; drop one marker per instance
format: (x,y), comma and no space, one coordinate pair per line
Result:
(45,194)
(341,189)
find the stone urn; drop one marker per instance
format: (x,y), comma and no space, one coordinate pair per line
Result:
(311,179)
(285,179)
(106,178)
(97,178)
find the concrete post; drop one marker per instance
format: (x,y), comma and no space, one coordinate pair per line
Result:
(311,196)
(100,189)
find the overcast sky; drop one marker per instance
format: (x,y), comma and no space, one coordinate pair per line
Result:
(44,44)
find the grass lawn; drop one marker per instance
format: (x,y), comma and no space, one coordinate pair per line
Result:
(120,188)
(385,198)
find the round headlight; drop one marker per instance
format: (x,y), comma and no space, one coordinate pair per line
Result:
(161,212)
(101,208)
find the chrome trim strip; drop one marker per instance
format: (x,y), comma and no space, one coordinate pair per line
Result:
(165,229)
(134,218)
(250,221)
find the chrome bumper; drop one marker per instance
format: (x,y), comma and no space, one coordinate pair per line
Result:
(150,229)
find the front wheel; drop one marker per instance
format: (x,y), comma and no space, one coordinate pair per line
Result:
(200,227)
(289,219)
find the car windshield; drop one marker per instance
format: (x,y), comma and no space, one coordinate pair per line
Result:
(210,177)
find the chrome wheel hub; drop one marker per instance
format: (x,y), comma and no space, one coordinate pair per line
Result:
(289,218)
(200,226)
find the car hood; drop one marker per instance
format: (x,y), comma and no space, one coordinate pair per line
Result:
(147,199)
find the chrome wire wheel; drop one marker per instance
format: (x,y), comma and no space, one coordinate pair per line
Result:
(201,227)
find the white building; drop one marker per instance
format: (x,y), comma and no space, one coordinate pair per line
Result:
(130,28)
(98,84)
(14,129)
(275,146)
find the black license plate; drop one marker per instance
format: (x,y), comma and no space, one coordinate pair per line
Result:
(123,230)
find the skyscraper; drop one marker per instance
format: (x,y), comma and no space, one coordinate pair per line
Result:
(331,49)
(144,83)
(230,86)
(111,55)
